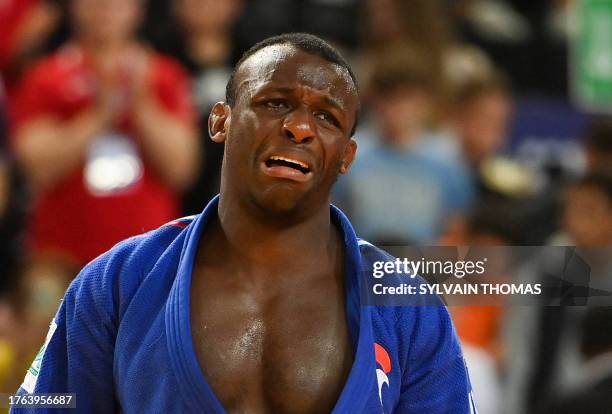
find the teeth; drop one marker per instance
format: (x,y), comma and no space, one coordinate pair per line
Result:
(301,164)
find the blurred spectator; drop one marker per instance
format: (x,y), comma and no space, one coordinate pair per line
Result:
(202,40)
(104,130)
(594,394)
(550,341)
(396,192)
(492,222)
(393,21)
(475,132)
(476,128)
(587,217)
(423,25)
(335,20)
(480,117)
(26,26)
(204,45)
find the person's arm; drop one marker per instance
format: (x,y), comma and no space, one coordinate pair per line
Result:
(165,122)
(169,143)
(77,356)
(48,146)
(49,149)
(435,379)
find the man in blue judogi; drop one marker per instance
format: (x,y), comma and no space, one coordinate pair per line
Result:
(255,305)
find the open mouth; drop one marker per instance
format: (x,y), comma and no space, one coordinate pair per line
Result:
(287,169)
(276,161)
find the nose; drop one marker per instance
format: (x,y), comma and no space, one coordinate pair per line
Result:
(298,128)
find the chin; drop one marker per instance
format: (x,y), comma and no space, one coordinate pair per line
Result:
(281,199)
(284,198)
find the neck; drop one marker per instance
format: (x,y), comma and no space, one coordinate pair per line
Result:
(100,50)
(209,47)
(248,237)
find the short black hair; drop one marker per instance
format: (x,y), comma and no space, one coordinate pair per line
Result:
(303,41)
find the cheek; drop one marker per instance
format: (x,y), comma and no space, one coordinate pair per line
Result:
(334,153)
(246,134)
(241,125)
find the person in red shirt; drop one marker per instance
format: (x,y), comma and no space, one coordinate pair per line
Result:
(105,131)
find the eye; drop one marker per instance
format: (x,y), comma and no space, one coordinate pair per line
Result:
(327,117)
(276,104)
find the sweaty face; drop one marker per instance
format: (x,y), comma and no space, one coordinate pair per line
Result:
(288,135)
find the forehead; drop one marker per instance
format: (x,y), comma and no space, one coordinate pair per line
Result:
(285,66)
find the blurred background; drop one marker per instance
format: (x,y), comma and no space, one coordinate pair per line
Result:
(484,123)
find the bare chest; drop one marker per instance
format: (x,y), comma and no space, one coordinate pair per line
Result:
(281,351)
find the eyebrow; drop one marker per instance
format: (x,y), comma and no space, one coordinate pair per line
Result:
(327,99)
(333,102)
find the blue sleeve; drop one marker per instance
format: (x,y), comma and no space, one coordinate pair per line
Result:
(435,379)
(77,356)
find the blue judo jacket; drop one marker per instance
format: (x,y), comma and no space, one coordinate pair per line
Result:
(121,339)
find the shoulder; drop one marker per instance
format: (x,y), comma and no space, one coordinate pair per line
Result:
(54,66)
(112,279)
(369,251)
(52,79)
(145,248)
(166,68)
(419,324)
(172,86)
(395,270)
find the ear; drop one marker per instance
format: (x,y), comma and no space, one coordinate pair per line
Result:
(219,121)
(348,156)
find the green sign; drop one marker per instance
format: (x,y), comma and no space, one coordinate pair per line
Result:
(592,55)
